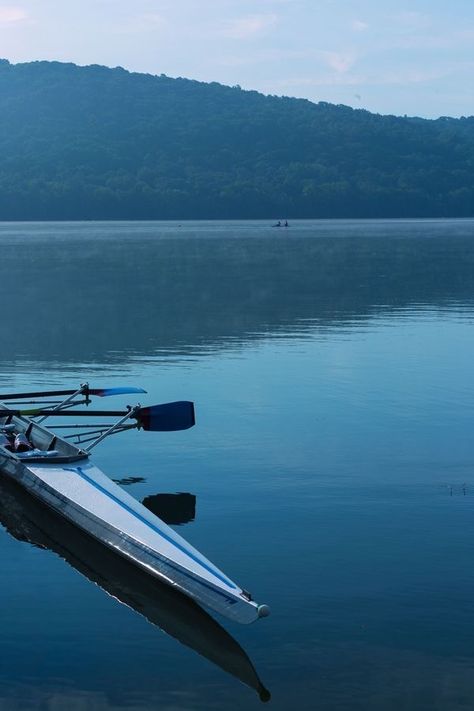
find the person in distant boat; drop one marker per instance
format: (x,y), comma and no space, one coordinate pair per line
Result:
(286,223)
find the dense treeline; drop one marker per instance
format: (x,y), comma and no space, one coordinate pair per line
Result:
(99,143)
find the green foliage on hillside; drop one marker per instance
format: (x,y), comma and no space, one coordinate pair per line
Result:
(99,143)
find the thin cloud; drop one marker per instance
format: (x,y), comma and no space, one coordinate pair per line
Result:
(333,80)
(341,62)
(148,21)
(10,15)
(417,76)
(411,20)
(384,78)
(466,34)
(423,42)
(359,25)
(247,27)
(269,56)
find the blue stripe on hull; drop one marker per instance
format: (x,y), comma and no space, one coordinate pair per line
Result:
(139,546)
(169,539)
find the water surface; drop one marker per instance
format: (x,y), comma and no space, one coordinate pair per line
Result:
(331,367)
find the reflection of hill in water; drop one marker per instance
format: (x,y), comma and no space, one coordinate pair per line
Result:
(77,292)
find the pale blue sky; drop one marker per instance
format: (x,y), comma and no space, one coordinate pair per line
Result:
(403,57)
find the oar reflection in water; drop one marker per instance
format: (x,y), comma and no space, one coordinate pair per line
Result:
(29,520)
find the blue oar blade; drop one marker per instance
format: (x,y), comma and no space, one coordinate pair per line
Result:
(105,392)
(170,417)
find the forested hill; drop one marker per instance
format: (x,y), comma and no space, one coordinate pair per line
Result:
(99,143)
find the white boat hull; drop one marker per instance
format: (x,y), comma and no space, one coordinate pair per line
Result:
(83,494)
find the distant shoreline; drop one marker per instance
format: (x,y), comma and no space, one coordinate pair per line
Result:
(265,222)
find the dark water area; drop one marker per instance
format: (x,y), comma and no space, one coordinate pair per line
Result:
(330,471)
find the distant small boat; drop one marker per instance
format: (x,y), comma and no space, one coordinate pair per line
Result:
(278,224)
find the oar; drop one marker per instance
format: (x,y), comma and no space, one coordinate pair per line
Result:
(100,392)
(168,417)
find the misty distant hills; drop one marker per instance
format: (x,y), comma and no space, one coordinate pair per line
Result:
(98,143)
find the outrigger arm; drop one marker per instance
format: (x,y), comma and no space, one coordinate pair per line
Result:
(131,413)
(83,390)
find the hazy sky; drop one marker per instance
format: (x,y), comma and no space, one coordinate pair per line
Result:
(411,57)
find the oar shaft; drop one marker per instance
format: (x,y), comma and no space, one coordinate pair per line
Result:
(45,393)
(64,413)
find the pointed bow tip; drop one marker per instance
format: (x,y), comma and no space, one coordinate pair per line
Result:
(264,694)
(263,610)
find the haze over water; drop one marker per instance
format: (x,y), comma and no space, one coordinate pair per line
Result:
(332,460)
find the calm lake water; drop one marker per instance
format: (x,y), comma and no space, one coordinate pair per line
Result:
(331,365)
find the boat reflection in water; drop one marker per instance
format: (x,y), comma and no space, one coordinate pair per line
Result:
(29,520)
(173,509)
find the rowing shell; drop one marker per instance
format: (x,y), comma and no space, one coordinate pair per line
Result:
(83,494)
